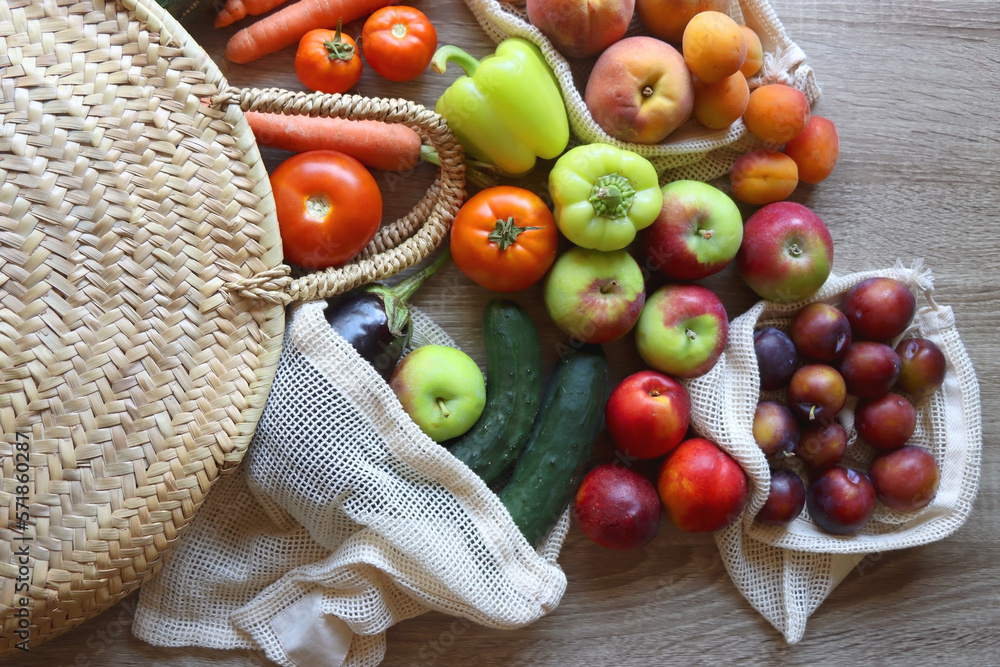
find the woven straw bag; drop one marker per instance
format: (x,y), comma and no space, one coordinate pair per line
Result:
(691,151)
(142,292)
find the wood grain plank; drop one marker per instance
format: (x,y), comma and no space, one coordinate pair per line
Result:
(914,87)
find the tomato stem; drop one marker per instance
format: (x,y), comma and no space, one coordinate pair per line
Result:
(506,232)
(337,48)
(399,30)
(318,206)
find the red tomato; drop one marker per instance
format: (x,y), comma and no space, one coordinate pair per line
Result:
(327,61)
(328,206)
(398,42)
(504,238)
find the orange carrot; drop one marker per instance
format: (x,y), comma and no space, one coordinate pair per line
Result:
(287,26)
(388,146)
(233,10)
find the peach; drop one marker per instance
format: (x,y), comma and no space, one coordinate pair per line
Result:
(755,53)
(580,28)
(667,19)
(640,90)
(815,149)
(776,113)
(718,105)
(714,46)
(763,176)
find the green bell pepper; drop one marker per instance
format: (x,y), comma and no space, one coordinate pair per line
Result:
(507,110)
(603,195)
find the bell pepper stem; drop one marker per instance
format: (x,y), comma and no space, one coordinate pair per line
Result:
(483,174)
(612,196)
(452,54)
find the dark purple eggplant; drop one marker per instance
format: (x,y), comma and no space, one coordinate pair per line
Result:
(375,320)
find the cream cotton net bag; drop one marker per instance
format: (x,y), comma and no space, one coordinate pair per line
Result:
(691,151)
(344,519)
(786,572)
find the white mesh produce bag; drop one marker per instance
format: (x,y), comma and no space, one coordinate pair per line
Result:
(786,572)
(344,519)
(691,151)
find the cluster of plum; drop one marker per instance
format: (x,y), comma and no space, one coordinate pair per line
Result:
(829,354)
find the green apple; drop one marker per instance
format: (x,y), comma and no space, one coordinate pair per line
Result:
(595,296)
(682,330)
(698,231)
(441,388)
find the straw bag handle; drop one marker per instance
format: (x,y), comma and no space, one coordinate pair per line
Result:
(396,246)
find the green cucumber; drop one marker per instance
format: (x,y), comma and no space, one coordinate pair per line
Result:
(562,439)
(513,392)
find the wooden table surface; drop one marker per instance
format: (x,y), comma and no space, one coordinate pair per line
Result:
(914,88)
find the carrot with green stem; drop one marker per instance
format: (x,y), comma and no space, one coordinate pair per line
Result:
(287,25)
(377,145)
(234,10)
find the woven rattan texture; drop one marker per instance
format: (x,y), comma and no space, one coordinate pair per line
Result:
(129,378)
(397,245)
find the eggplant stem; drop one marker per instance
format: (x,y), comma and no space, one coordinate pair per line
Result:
(405,288)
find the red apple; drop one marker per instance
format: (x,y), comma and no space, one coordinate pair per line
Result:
(617,507)
(682,330)
(698,231)
(703,489)
(787,252)
(647,414)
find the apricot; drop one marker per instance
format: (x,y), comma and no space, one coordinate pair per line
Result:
(713,46)
(815,149)
(667,19)
(719,105)
(755,53)
(776,113)
(763,176)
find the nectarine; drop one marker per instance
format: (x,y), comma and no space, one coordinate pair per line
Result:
(703,489)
